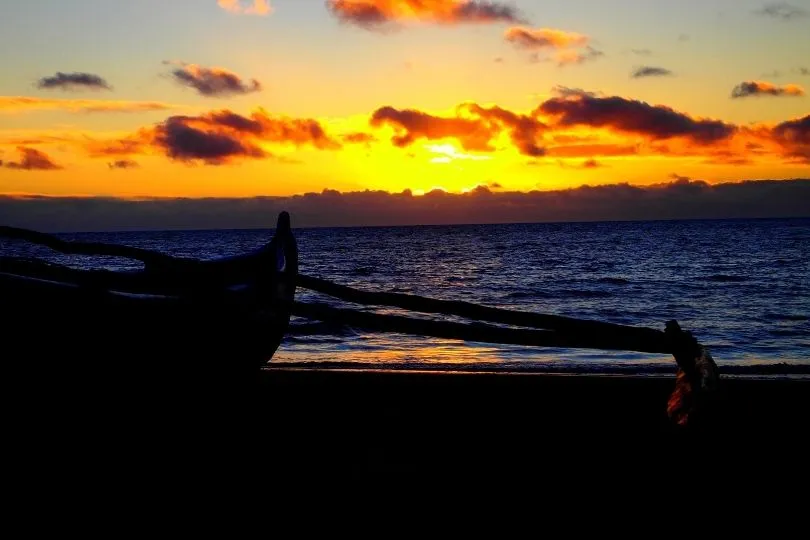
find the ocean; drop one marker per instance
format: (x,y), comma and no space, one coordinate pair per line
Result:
(742,287)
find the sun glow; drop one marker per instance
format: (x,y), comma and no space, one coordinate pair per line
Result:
(449,153)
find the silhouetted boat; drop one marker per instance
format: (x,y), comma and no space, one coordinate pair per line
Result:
(229,313)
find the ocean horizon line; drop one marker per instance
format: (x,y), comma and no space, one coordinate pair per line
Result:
(430,225)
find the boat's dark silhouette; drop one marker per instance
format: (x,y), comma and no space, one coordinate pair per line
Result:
(228,313)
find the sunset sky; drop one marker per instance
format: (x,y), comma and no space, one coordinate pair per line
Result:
(227,98)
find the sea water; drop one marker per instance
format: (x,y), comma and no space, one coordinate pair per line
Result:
(742,287)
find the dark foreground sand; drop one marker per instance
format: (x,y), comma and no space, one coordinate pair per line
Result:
(287,422)
(400,418)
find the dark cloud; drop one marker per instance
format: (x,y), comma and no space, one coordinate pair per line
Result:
(524,130)
(379,14)
(679,199)
(803,71)
(123,164)
(218,137)
(214,82)
(184,140)
(794,137)
(783,11)
(482,11)
(795,131)
(565,91)
(650,71)
(132,145)
(73,81)
(475,131)
(764,88)
(32,159)
(359,138)
(588,164)
(592,164)
(412,125)
(632,116)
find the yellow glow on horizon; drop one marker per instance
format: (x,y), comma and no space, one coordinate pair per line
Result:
(375,163)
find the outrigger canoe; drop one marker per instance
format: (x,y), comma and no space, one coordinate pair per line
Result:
(227,314)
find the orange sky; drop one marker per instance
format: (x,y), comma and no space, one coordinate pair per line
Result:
(388,95)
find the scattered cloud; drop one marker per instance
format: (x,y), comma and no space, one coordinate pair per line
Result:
(571,124)
(381,14)
(567,47)
(246,7)
(358,137)
(542,38)
(802,71)
(592,164)
(783,11)
(214,81)
(794,137)
(412,125)
(16,104)
(566,91)
(123,164)
(588,164)
(569,57)
(641,52)
(73,81)
(474,127)
(32,159)
(650,71)
(656,122)
(217,138)
(764,88)
(682,198)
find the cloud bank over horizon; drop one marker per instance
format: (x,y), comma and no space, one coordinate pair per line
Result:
(681,198)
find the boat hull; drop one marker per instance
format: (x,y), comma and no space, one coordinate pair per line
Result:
(57,323)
